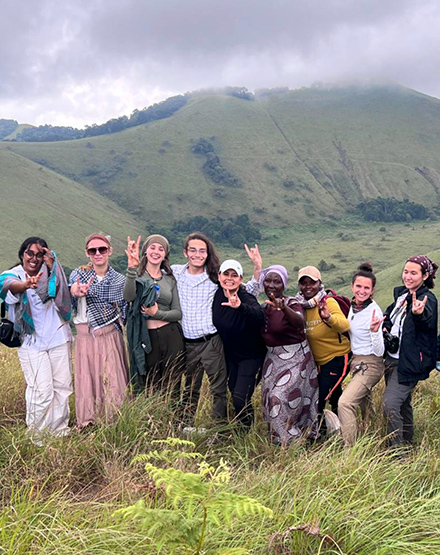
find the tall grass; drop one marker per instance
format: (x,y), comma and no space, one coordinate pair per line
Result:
(61,498)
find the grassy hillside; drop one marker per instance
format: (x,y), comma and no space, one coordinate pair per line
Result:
(327,500)
(296,156)
(36,201)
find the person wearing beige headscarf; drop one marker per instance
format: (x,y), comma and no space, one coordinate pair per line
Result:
(161,312)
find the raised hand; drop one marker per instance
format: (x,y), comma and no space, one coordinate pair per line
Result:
(48,258)
(233,299)
(418,306)
(149,310)
(32,281)
(255,256)
(276,302)
(132,252)
(324,311)
(375,322)
(81,289)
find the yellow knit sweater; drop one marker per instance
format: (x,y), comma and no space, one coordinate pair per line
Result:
(327,341)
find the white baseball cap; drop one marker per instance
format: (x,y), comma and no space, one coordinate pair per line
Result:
(231,265)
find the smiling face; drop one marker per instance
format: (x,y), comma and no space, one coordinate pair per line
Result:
(33,258)
(196,253)
(98,251)
(273,285)
(362,289)
(229,280)
(309,287)
(155,253)
(412,276)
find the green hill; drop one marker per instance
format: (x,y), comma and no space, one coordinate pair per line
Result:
(286,158)
(36,201)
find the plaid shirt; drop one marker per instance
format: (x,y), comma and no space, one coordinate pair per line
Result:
(196,296)
(105,304)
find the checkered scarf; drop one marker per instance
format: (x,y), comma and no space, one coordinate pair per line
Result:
(105,303)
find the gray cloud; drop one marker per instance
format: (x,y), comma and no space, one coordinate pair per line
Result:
(83,61)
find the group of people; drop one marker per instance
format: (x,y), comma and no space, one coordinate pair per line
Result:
(186,320)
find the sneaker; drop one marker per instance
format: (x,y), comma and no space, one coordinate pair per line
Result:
(332,422)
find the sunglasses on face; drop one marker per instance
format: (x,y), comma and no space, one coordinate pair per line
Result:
(92,251)
(37,255)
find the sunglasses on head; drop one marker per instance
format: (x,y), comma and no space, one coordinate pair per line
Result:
(37,255)
(92,251)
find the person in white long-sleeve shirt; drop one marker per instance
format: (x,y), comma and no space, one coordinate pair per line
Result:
(367,345)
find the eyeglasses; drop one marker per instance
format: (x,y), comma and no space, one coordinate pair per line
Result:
(92,251)
(37,255)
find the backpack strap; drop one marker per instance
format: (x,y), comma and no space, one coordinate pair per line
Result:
(341,377)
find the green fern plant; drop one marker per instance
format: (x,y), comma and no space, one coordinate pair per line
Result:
(194,501)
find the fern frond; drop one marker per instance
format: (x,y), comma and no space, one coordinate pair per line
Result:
(177,483)
(167,455)
(206,469)
(195,500)
(228,505)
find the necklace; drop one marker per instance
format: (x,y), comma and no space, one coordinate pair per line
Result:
(155,280)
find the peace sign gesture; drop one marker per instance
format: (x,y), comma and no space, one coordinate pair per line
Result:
(132,252)
(233,299)
(375,322)
(81,289)
(418,306)
(276,302)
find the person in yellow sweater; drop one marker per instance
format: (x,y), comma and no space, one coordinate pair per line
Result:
(325,328)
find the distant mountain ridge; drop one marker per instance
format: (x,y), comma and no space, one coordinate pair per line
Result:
(287,157)
(10,130)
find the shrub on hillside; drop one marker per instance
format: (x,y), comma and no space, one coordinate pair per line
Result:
(391,210)
(232,231)
(213,168)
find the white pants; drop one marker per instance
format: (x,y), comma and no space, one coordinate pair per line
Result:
(48,376)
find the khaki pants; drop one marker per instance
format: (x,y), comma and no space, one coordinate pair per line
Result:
(367,370)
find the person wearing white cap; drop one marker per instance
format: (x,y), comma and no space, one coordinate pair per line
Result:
(197,282)
(238,318)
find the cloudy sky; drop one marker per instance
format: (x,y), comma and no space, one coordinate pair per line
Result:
(78,62)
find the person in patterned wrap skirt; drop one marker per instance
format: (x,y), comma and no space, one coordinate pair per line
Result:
(290,376)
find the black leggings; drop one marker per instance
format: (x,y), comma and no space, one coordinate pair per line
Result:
(243,376)
(330,377)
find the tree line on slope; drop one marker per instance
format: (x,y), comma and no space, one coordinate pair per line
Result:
(161,110)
